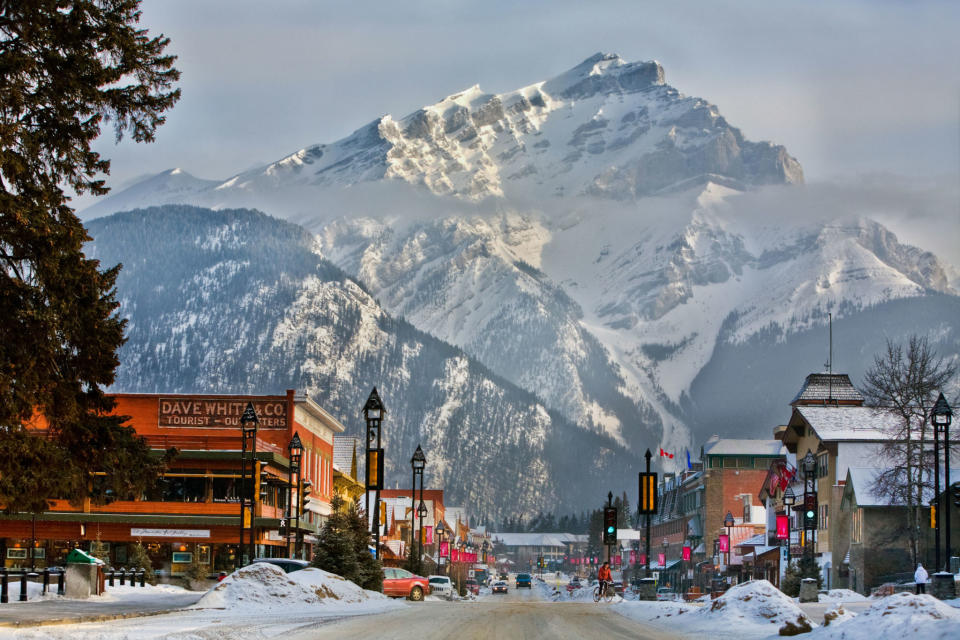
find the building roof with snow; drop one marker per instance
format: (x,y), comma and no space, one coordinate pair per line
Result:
(743,447)
(832,423)
(535,539)
(860,483)
(829,389)
(345,458)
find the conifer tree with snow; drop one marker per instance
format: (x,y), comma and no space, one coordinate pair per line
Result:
(343,547)
(66,69)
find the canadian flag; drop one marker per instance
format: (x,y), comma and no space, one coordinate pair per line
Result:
(664,454)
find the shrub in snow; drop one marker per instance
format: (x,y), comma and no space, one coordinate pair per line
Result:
(759,602)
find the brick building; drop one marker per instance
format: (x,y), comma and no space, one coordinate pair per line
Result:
(193,511)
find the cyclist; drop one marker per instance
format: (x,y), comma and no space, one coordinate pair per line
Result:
(604,577)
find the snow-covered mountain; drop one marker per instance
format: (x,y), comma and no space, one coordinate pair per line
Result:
(234,301)
(589,239)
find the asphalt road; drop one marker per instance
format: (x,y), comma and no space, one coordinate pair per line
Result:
(517,615)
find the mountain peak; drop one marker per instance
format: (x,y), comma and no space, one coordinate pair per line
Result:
(606,73)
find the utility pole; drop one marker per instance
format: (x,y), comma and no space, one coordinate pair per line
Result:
(648,455)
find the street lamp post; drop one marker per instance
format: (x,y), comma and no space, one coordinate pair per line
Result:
(666,545)
(295,450)
(373,412)
(439,531)
(728,522)
(941,417)
(789,498)
(809,488)
(417,463)
(422,514)
(248,431)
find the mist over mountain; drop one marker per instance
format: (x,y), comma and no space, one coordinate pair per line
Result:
(602,241)
(234,301)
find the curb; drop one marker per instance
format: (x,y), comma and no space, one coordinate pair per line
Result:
(17,624)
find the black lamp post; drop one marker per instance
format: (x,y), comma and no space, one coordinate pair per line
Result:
(728,522)
(809,488)
(373,412)
(789,499)
(422,514)
(439,531)
(941,416)
(248,431)
(417,463)
(295,450)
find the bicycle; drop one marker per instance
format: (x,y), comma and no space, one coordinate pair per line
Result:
(608,592)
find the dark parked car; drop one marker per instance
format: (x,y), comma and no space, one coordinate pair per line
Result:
(500,587)
(524,580)
(287,564)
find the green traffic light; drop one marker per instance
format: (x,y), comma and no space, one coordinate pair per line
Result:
(809,514)
(610,529)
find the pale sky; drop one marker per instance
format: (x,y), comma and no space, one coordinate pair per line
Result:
(850,88)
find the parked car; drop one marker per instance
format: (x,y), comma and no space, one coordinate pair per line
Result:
(400,583)
(499,586)
(573,585)
(503,575)
(524,580)
(440,586)
(287,564)
(473,586)
(666,593)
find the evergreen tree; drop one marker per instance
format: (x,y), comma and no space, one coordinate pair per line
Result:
(369,569)
(140,560)
(63,73)
(806,567)
(335,550)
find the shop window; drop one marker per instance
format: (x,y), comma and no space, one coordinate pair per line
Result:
(226,490)
(184,489)
(823,466)
(203,552)
(182,557)
(121,554)
(17,554)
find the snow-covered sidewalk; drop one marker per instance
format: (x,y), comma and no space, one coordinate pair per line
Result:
(259,601)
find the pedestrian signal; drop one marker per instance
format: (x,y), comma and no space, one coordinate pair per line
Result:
(609,525)
(648,492)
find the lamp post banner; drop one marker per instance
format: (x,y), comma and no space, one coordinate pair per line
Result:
(444,549)
(428,535)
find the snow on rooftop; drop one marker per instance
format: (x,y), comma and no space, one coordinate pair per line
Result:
(731,446)
(849,423)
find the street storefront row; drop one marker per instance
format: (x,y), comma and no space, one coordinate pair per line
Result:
(192,516)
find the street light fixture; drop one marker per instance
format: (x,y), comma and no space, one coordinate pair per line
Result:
(295,451)
(809,489)
(440,532)
(373,412)
(728,522)
(789,499)
(248,430)
(417,463)
(941,416)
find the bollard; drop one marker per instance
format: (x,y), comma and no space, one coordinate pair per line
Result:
(4,598)
(123,575)
(143,576)
(110,575)
(23,587)
(46,582)
(60,577)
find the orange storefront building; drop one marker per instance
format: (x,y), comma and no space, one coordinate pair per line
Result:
(193,513)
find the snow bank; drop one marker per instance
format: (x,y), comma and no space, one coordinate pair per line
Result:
(837,614)
(902,615)
(842,595)
(756,604)
(265,587)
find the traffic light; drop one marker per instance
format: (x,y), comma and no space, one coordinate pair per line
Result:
(933,516)
(956,494)
(648,492)
(810,511)
(609,525)
(305,494)
(262,481)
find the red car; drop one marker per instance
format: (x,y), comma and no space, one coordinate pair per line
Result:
(473,587)
(400,583)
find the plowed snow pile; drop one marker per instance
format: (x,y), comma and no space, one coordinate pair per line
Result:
(897,617)
(756,603)
(842,595)
(265,587)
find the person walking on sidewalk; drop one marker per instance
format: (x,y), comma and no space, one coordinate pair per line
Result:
(921,578)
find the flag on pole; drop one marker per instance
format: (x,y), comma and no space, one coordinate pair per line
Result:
(689,464)
(664,454)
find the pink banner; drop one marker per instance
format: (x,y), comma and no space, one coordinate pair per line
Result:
(643,559)
(724,543)
(783,526)
(616,560)
(428,535)
(686,554)
(633,556)
(444,549)
(662,559)
(454,555)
